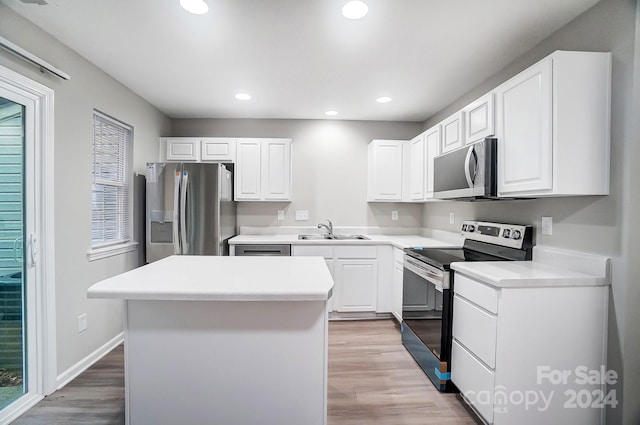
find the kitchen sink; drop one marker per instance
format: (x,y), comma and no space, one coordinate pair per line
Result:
(332,237)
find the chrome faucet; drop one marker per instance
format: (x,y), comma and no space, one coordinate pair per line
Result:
(329,227)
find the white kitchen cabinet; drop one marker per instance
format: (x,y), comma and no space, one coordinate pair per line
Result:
(398,270)
(432,149)
(197,149)
(324,251)
(263,170)
(182,149)
(417,157)
(385,170)
(503,336)
(553,127)
(356,285)
(479,119)
(219,149)
(452,132)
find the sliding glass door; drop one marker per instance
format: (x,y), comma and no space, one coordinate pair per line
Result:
(13,368)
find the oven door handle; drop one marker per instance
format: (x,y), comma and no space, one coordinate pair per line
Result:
(439,279)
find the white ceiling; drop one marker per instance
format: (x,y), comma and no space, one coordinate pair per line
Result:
(300,58)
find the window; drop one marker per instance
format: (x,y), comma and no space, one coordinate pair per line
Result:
(110,215)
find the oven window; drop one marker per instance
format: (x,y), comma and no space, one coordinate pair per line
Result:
(422,310)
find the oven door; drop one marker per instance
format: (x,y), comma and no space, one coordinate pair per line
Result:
(426,320)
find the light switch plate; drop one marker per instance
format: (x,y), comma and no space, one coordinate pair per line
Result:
(394,215)
(302,215)
(82,323)
(280,215)
(547,226)
(452,218)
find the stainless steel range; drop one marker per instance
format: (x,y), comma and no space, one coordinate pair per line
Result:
(428,282)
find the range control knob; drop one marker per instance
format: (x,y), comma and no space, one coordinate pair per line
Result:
(506,233)
(516,234)
(471,228)
(464,227)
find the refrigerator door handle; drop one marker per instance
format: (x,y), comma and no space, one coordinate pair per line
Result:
(176,213)
(183,213)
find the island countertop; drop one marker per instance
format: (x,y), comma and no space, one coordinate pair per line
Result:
(211,278)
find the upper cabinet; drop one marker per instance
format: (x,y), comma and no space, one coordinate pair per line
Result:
(417,157)
(479,119)
(385,169)
(197,149)
(553,127)
(452,132)
(432,149)
(263,170)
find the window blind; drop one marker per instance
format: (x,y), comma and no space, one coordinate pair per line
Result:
(110,217)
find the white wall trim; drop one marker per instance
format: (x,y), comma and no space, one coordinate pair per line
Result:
(70,374)
(109,251)
(43,100)
(19,407)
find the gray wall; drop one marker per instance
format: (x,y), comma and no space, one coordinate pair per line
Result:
(75,100)
(602,225)
(329,169)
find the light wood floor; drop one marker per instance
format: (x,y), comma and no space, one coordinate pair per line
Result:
(372,380)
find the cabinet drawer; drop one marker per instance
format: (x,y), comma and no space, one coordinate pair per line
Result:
(313,251)
(356,252)
(476,292)
(475,329)
(473,379)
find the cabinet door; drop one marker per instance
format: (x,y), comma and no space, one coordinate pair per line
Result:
(479,121)
(248,171)
(276,169)
(398,271)
(330,300)
(218,149)
(356,285)
(524,131)
(416,168)
(432,148)
(385,170)
(183,149)
(452,132)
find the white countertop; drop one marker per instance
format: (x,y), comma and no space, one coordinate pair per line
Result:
(211,278)
(525,274)
(399,241)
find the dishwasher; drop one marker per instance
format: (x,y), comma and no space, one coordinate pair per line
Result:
(263,250)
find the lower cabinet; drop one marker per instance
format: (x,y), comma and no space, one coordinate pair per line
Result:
(531,355)
(398,274)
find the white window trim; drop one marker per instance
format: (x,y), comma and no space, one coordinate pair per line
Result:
(99,253)
(110,249)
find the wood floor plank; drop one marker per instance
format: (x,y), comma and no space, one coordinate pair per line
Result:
(373,380)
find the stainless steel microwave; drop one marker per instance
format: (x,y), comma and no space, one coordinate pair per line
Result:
(468,173)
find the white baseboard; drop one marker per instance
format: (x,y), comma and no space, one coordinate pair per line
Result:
(84,364)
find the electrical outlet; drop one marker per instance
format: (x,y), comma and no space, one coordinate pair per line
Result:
(302,215)
(280,215)
(394,215)
(82,323)
(547,226)
(452,218)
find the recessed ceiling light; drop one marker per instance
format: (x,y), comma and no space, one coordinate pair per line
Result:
(355,9)
(243,96)
(331,113)
(383,99)
(197,7)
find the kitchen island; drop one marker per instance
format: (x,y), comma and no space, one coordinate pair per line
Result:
(224,340)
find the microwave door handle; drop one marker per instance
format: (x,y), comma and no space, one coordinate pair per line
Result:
(467,163)
(176,212)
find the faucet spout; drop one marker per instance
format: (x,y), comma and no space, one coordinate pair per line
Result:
(329,227)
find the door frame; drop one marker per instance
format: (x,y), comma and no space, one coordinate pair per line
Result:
(41,168)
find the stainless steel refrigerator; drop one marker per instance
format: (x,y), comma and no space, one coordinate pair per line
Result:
(190,209)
